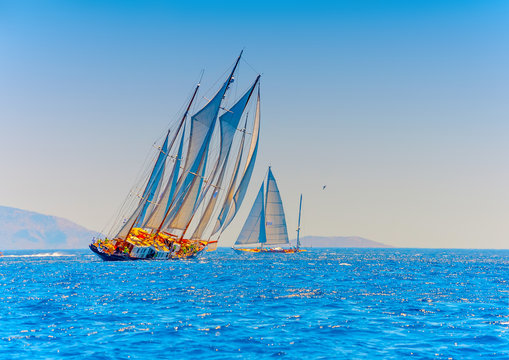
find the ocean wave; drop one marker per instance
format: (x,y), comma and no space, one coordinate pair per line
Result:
(47,254)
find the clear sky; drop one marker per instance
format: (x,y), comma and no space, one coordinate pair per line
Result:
(400,107)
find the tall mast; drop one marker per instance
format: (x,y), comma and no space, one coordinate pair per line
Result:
(221,163)
(298,226)
(226,88)
(174,138)
(265,206)
(185,114)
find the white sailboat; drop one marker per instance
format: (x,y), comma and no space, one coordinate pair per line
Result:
(265,225)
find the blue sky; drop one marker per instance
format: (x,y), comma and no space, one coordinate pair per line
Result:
(400,107)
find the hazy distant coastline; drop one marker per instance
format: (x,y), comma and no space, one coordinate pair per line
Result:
(340,242)
(23,229)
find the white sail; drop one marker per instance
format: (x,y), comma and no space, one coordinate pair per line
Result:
(209,209)
(253,231)
(215,195)
(157,215)
(184,212)
(275,222)
(188,195)
(127,226)
(233,200)
(153,203)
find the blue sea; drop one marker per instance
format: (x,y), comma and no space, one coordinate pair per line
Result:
(321,304)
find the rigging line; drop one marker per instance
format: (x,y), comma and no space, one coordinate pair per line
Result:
(228,69)
(187,194)
(178,115)
(213,86)
(252,68)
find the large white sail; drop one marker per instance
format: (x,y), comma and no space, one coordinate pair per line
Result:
(233,200)
(184,212)
(229,123)
(253,231)
(156,217)
(204,220)
(189,186)
(275,222)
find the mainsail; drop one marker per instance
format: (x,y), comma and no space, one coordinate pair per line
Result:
(229,122)
(274,214)
(266,222)
(198,233)
(233,200)
(202,128)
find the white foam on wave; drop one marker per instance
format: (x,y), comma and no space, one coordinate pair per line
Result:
(53,254)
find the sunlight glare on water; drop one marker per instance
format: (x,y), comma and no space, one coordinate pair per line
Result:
(340,303)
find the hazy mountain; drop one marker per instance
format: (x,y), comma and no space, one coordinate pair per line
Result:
(339,241)
(21,229)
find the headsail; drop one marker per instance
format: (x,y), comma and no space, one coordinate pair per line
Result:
(150,191)
(274,214)
(254,228)
(154,181)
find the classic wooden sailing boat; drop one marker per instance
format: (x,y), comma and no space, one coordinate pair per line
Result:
(266,223)
(182,192)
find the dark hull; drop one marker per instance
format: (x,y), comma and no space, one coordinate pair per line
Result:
(109,257)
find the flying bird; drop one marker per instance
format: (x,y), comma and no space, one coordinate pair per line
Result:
(324,187)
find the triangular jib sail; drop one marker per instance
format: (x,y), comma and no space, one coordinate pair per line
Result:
(253,231)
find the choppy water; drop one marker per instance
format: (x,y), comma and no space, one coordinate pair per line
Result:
(326,303)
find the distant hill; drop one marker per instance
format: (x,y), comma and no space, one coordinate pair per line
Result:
(339,241)
(21,229)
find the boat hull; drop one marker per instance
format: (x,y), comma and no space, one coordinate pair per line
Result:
(114,257)
(108,257)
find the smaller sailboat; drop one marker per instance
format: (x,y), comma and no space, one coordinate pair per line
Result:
(265,225)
